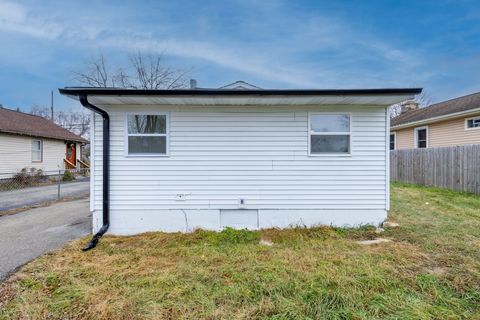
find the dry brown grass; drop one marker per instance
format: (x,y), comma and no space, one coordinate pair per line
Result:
(431,270)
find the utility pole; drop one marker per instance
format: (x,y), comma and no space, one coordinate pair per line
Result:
(51,106)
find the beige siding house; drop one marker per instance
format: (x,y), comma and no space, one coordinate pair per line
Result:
(449,123)
(28,141)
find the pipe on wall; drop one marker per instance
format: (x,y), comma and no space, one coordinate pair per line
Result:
(106,171)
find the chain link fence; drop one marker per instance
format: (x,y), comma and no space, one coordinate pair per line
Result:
(31,177)
(31,186)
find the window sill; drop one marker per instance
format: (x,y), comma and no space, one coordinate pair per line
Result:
(147,155)
(343,155)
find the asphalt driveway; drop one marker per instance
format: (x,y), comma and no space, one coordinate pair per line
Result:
(35,195)
(28,234)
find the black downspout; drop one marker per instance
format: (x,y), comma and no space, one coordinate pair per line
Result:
(106,169)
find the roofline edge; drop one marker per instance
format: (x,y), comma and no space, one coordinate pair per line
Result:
(80,140)
(435,119)
(75,91)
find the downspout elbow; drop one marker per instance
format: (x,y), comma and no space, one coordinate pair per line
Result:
(106,172)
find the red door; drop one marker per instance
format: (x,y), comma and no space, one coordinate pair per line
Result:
(71,155)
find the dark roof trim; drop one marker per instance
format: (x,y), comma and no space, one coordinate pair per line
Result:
(78,91)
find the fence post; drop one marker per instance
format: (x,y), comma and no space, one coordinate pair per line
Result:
(58,184)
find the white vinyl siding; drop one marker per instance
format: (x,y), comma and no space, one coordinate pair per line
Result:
(16,153)
(221,154)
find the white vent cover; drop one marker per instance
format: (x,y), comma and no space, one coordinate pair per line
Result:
(239,219)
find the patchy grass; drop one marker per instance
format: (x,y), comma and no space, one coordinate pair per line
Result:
(431,270)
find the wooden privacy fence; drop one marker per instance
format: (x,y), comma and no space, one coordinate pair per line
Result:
(455,168)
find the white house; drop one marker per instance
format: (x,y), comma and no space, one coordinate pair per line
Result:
(251,158)
(29,141)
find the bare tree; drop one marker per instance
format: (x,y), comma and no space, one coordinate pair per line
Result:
(142,72)
(396,109)
(95,74)
(40,111)
(76,122)
(422,100)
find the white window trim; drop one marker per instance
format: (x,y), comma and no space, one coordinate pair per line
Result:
(416,136)
(471,118)
(394,140)
(349,133)
(41,151)
(166,134)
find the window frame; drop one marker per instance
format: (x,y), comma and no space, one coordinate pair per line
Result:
(41,151)
(416,136)
(471,118)
(166,134)
(394,140)
(329,154)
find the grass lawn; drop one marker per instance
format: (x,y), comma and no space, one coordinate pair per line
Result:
(431,270)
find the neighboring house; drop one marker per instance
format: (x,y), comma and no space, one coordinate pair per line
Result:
(28,141)
(240,85)
(449,123)
(250,158)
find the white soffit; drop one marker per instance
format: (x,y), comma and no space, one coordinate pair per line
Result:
(384,99)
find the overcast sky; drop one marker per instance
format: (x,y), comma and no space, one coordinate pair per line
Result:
(271,44)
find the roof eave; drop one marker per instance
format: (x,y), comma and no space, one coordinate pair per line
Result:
(437,119)
(275,97)
(75,91)
(20,133)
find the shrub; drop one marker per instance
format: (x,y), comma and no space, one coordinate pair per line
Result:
(68,176)
(29,176)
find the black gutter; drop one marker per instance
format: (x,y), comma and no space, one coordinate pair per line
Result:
(83,92)
(106,170)
(78,91)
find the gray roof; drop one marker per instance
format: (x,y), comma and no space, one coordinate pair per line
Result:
(240,85)
(460,104)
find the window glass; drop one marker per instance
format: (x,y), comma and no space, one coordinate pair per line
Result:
(421,138)
(473,123)
(392,141)
(147,134)
(329,133)
(330,123)
(330,143)
(37,150)
(147,124)
(147,144)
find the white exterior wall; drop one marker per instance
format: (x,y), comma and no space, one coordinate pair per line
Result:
(221,154)
(16,153)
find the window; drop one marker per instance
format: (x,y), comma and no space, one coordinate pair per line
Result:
(421,137)
(393,140)
(472,123)
(37,150)
(329,133)
(147,134)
